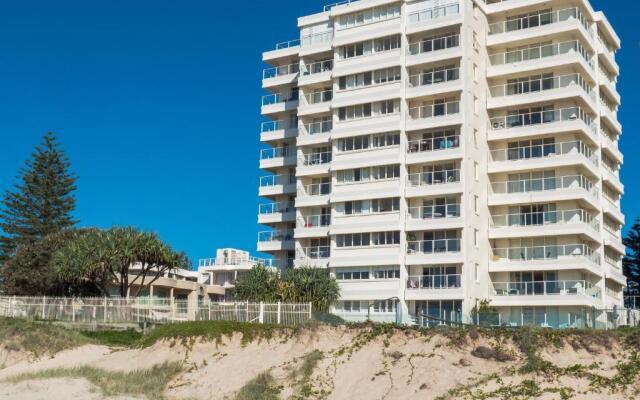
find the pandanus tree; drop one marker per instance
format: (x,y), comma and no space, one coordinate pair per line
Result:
(299,285)
(105,258)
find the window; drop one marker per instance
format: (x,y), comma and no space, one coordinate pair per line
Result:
(346,275)
(368,110)
(369,16)
(370,78)
(384,306)
(351,306)
(476,239)
(475,138)
(476,73)
(369,47)
(475,204)
(388,272)
(368,239)
(477,272)
(369,174)
(476,105)
(368,142)
(476,171)
(376,206)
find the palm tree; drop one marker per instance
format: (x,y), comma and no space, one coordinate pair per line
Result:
(105,258)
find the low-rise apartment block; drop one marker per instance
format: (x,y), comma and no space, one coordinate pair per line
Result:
(437,154)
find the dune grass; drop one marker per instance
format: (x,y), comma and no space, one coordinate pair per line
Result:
(262,387)
(38,338)
(150,383)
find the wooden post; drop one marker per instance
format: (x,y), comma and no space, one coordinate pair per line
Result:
(104,316)
(261,315)
(44,306)
(73,311)
(279,319)
(209,309)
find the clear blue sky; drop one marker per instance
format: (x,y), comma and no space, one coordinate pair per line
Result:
(157,105)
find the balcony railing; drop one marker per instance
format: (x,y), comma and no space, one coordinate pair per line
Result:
(433,13)
(275,152)
(542,51)
(319,97)
(435,44)
(435,212)
(433,246)
(434,282)
(317,128)
(318,67)
(288,44)
(541,85)
(313,253)
(272,126)
(434,110)
(546,288)
(276,208)
(544,218)
(212,262)
(277,98)
(317,38)
(274,236)
(316,158)
(543,117)
(434,77)
(433,144)
(275,180)
(535,20)
(545,184)
(315,189)
(314,221)
(543,151)
(434,177)
(551,252)
(283,70)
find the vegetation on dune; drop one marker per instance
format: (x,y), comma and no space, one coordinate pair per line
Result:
(262,387)
(297,285)
(38,338)
(150,383)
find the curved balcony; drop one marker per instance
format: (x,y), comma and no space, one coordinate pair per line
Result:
(551,189)
(566,292)
(545,223)
(541,258)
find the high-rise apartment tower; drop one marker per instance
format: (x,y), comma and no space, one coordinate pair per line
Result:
(437,155)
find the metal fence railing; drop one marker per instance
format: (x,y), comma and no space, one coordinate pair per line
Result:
(106,310)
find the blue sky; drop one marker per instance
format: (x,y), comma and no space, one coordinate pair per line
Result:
(157,105)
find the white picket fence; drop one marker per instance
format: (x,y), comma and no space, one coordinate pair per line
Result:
(106,310)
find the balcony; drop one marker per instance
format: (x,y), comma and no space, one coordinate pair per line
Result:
(315,103)
(439,251)
(278,130)
(442,217)
(315,73)
(539,57)
(317,42)
(540,24)
(234,263)
(433,18)
(315,256)
(518,125)
(275,240)
(434,287)
(434,183)
(314,164)
(610,146)
(551,189)
(434,115)
(277,157)
(434,82)
(541,258)
(547,223)
(279,102)
(433,149)
(309,226)
(553,293)
(434,50)
(315,133)
(278,76)
(550,155)
(542,90)
(276,212)
(277,184)
(315,194)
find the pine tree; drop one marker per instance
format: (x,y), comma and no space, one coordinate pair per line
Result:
(41,202)
(631,262)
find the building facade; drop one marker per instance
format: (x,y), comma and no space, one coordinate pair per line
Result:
(440,155)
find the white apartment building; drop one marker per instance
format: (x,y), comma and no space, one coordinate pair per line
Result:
(436,154)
